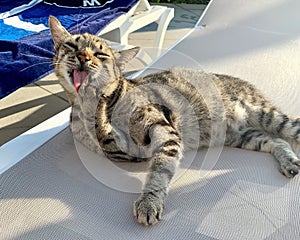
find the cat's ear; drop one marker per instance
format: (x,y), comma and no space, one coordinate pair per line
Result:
(124,56)
(58,32)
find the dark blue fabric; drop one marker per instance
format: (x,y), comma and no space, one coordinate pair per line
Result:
(26,60)
(7,5)
(78,3)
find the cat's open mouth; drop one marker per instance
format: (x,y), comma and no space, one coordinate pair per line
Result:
(78,78)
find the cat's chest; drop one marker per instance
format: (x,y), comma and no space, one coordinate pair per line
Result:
(119,112)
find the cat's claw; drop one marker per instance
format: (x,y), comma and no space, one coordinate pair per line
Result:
(148,209)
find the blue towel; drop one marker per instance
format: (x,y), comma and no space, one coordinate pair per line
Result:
(26,53)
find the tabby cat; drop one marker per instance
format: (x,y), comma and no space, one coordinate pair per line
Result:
(159,116)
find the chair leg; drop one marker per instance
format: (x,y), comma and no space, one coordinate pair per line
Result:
(163,23)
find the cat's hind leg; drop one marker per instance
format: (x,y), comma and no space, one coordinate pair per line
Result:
(255,139)
(273,121)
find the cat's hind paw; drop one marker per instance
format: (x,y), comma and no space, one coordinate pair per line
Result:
(148,209)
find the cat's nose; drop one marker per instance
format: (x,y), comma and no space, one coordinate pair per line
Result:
(83,58)
(85,55)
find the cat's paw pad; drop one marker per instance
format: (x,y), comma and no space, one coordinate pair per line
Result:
(290,168)
(148,209)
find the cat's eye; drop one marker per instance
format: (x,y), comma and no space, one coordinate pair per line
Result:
(71,46)
(102,56)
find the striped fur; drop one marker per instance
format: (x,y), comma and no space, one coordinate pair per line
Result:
(160,116)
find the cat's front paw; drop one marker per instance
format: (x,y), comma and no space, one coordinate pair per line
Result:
(290,168)
(148,209)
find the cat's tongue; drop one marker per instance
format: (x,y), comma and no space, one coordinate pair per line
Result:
(78,78)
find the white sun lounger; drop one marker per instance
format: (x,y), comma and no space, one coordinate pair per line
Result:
(224,193)
(142,14)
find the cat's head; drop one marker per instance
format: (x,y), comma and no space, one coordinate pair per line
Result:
(85,57)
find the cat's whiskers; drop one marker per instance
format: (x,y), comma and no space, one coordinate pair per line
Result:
(95,71)
(70,64)
(59,64)
(94,67)
(24,69)
(29,55)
